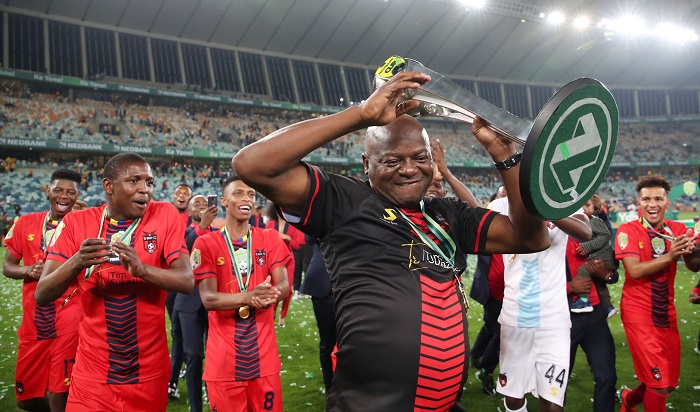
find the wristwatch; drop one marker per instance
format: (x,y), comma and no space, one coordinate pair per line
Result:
(509,162)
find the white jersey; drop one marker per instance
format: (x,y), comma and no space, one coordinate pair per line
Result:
(535,283)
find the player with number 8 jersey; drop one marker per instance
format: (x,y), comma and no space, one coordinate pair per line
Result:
(241,273)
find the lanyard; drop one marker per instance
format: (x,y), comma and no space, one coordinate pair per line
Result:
(444,239)
(229,245)
(665,228)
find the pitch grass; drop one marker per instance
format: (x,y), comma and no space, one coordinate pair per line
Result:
(301,375)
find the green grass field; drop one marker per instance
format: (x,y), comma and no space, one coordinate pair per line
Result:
(301,376)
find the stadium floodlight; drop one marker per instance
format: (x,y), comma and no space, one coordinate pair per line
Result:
(582,22)
(674,33)
(626,25)
(556,17)
(473,4)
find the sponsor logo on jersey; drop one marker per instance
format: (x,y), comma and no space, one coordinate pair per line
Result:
(150,242)
(260,257)
(30,237)
(220,261)
(196,258)
(389,216)
(622,240)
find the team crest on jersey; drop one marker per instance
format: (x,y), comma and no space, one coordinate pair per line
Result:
(19,387)
(656,374)
(196,259)
(57,233)
(10,232)
(622,240)
(659,245)
(150,242)
(502,380)
(260,257)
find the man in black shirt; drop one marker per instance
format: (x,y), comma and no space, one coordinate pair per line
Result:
(394,258)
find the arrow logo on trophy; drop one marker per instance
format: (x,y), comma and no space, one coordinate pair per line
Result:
(573,156)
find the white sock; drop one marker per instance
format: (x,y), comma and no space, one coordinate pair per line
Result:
(523,409)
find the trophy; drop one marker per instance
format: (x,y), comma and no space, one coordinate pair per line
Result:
(567,149)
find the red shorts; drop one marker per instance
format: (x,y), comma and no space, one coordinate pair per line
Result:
(150,396)
(44,365)
(656,354)
(257,395)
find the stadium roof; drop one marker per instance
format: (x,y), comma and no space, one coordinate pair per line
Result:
(504,41)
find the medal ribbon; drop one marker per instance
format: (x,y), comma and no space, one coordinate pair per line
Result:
(444,239)
(239,276)
(665,228)
(131,229)
(44,240)
(127,233)
(436,230)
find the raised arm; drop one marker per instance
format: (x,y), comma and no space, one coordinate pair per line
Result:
(461,191)
(520,231)
(272,164)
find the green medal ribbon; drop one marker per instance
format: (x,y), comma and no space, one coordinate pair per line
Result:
(131,229)
(229,244)
(436,230)
(44,240)
(665,228)
(444,239)
(127,234)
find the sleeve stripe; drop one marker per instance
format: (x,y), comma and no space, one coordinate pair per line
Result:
(626,254)
(313,197)
(203,275)
(57,256)
(282,262)
(488,217)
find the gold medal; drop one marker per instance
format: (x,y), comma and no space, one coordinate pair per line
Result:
(244,312)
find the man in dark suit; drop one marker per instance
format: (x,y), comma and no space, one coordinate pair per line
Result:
(317,284)
(189,315)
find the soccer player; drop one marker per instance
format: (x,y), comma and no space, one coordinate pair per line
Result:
(535,321)
(125,255)
(649,249)
(47,336)
(394,258)
(241,275)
